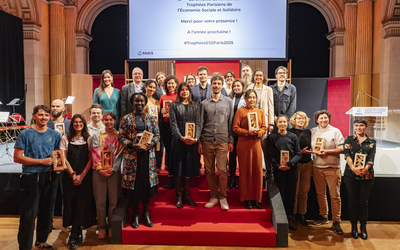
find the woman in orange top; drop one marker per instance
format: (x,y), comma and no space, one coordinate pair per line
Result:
(249,151)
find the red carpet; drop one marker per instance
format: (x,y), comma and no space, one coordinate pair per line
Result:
(202,227)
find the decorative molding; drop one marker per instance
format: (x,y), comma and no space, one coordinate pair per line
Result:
(31,31)
(71,3)
(392,28)
(336,37)
(58,2)
(83,39)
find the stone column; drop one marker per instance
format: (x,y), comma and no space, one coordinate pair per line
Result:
(46,57)
(82,52)
(70,13)
(337,53)
(350,45)
(376,50)
(33,58)
(363,71)
(57,50)
(389,78)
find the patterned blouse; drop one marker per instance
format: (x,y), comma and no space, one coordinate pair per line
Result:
(351,147)
(128,134)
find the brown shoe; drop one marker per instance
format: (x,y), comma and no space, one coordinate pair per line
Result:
(102,234)
(224,204)
(211,203)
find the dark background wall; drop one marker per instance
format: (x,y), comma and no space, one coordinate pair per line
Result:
(12,77)
(308,46)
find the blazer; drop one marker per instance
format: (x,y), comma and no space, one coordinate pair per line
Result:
(126,106)
(196,92)
(267,103)
(178,117)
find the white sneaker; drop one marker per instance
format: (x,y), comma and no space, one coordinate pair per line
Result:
(211,203)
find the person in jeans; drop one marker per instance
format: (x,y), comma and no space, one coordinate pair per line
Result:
(39,183)
(216,139)
(326,169)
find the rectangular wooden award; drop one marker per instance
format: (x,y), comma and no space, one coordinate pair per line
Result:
(166,107)
(319,144)
(252,119)
(59,160)
(59,127)
(107,159)
(146,138)
(152,109)
(190,130)
(359,160)
(284,156)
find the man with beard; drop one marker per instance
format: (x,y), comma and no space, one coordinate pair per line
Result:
(216,139)
(247,74)
(129,89)
(202,91)
(284,94)
(57,110)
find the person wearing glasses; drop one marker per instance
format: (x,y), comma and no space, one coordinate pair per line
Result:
(229,77)
(284,94)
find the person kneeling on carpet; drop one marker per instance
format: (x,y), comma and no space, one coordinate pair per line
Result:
(139,176)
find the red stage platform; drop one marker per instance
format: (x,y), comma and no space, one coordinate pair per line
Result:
(202,227)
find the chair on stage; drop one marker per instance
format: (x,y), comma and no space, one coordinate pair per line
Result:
(19,119)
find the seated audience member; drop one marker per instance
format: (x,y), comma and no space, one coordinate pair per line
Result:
(359,152)
(249,150)
(283,151)
(38,186)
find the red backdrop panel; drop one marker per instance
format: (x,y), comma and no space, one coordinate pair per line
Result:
(119,81)
(183,68)
(339,102)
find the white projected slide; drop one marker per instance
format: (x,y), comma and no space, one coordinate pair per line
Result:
(207,29)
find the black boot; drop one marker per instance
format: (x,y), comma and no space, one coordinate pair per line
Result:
(232,182)
(170,182)
(145,216)
(186,191)
(178,191)
(135,215)
(354,230)
(363,229)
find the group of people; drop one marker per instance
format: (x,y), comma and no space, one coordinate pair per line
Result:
(243,116)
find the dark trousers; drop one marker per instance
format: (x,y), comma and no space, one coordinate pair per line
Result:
(232,158)
(287,183)
(358,192)
(166,135)
(38,194)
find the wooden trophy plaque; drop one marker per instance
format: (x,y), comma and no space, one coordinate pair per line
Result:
(60,127)
(107,159)
(252,119)
(319,144)
(166,107)
(152,109)
(146,138)
(190,130)
(284,156)
(359,160)
(59,160)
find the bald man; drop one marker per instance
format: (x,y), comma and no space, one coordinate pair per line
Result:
(57,110)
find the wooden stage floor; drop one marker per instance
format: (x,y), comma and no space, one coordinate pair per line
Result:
(382,236)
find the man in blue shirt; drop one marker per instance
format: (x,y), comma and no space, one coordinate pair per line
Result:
(38,189)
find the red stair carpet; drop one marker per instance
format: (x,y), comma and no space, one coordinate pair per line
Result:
(199,226)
